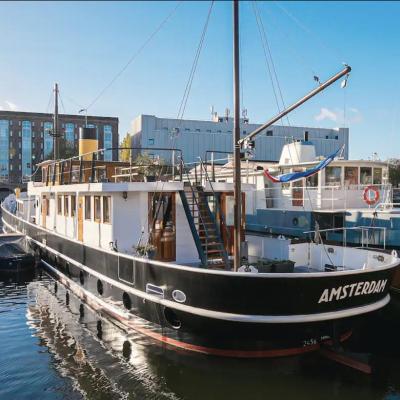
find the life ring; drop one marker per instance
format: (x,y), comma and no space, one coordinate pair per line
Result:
(366,195)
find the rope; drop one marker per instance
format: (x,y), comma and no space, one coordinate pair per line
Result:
(135,55)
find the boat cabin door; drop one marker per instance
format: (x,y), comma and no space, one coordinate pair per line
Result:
(80,218)
(44,210)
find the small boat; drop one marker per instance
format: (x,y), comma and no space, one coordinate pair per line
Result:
(15,255)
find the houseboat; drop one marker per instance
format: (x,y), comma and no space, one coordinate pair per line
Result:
(154,251)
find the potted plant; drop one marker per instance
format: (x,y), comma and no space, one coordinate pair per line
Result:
(148,166)
(145,250)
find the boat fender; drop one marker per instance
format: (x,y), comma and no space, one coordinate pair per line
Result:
(394,254)
(367,197)
(248,268)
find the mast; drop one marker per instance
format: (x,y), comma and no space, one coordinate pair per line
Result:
(237,191)
(55,123)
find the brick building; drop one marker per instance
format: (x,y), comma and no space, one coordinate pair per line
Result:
(25,139)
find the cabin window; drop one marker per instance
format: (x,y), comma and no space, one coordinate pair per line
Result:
(73,205)
(75,173)
(88,208)
(312,181)
(97,209)
(333,176)
(66,205)
(47,206)
(378,176)
(59,205)
(106,208)
(350,176)
(365,175)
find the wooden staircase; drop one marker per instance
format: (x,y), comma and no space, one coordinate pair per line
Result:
(204,228)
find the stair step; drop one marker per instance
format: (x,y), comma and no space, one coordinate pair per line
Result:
(214,251)
(211,244)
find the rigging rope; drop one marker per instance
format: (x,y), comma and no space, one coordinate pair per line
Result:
(135,55)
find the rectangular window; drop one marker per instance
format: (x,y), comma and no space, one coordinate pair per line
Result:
(350,176)
(59,204)
(151,142)
(73,205)
(88,208)
(365,175)
(97,209)
(270,133)
(107,140)
(333,176)
(312,181)
(106,208)
(66,205)
(378,176)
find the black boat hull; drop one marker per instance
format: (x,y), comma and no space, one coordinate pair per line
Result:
(213,312)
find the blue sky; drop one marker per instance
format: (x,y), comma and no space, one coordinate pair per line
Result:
(83,45)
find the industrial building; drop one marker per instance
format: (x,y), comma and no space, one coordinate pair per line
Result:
(195,137)
(25,140)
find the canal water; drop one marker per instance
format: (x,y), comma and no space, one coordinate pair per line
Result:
(53,347)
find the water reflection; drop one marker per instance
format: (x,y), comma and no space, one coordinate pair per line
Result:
(79,354)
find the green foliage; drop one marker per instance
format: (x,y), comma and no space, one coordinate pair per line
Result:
(394,173)
(148,165)
(124,155)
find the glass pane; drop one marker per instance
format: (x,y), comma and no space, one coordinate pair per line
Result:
(365,175)
(350,176)
(333,176)
(312,181)
(377,176)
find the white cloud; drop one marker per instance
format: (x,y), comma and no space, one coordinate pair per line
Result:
(11,106)
(325,113)
(353,116)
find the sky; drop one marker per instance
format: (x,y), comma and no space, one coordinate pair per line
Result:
(85,45)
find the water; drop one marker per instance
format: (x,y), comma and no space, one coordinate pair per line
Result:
(54,348)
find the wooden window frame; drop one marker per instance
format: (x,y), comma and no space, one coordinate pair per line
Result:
(72,209)
(108,200)
(97,218)
(90,208)
(60,204)
(66,205)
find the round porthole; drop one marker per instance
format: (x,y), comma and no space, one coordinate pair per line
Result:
(172,318)
(127,301)
(179,296)
(100,289)
(295,221)
(81,278)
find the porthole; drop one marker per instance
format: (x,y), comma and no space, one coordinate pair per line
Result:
(172,318)
(81,278)
(127,301)
(100,289)
(179,296)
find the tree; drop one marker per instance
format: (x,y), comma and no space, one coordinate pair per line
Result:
(125,154)
(394,172)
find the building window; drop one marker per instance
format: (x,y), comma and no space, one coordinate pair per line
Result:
(270,133)
(107,142)
(151,142)
(106,208)
(88,208)
(59,205)
(26,148)
(187,129)
(197,130)
(73,205)
(66,205)
(48,140)
(69,135)
(209,130)
(97,209)
(337,137)
(4,148)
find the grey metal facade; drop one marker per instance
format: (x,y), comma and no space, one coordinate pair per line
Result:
(195,137)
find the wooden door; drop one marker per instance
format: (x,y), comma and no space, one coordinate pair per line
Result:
(80,217)
(44,211)
(297,193)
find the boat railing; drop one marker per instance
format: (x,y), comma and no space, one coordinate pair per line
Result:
(138,164)
(365,238)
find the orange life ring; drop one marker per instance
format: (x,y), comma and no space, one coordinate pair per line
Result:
(367,198)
